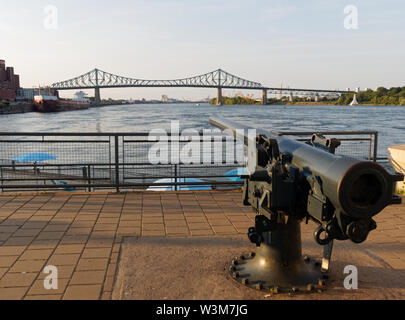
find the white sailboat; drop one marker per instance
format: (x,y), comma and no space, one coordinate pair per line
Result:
(354,102)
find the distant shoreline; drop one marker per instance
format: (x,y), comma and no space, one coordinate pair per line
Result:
(340,105)
(313,104)
(303,104)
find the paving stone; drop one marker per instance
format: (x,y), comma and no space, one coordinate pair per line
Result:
(28,266)
(34,225)
(78,232)
(63,259)
(130,217)
(8,229)
(56,228)
(202,232)
(3,271)
(199,226)
(12,280)
(36,254)
(124,224)
(13,222)
(19,241)
(5,236)
(7,261)
(174,217)
(147,233)
(88,277)
(51,235)
(153,227)
(109,284)
(96,253)
(129,231)
(175,230)
(175,223)
(11,250)
(43,244)
(83,292)
(77,239)
(44,297)
(105,227)
(92,264)
(27,232)
(106,296)
(85,217)
(108,220)
(12,293)
(97,242)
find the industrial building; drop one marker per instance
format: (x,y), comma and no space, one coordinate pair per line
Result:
(28,94)
(9,82)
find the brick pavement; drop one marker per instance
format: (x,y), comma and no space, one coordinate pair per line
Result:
(81,234)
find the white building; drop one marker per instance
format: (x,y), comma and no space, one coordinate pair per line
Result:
(80,97)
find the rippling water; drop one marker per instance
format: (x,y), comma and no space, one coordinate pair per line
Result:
(388,121)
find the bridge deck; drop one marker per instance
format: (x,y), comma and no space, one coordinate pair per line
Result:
(88,235)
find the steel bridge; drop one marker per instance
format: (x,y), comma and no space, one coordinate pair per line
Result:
(219,79)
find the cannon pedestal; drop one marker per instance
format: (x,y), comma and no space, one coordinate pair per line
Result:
(278,265)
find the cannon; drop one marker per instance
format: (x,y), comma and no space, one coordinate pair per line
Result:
(288,182)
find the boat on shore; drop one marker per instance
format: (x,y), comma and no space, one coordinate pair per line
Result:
(396,156)
(50,103)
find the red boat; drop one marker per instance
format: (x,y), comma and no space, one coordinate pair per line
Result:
(54,104)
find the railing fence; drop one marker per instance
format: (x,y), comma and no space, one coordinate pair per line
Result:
(122,161)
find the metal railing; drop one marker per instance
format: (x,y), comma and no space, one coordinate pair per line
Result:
(358,144)
(121,161)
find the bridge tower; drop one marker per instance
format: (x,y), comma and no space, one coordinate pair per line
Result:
(97,96)
(219,92)
(219,97)
(264,97)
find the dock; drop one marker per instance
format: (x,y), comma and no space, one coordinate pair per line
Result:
(171,245)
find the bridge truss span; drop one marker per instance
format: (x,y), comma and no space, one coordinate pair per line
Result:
(219,79)
(101,79)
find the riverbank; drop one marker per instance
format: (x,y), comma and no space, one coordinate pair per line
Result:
(29,107)
(16,108)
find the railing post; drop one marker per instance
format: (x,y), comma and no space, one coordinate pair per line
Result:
(175,178)
(89,176)
(117,164)
(375,146)
(2,181)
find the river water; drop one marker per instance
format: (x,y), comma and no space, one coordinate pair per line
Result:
(388,121)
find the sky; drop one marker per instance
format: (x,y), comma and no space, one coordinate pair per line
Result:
(275,42)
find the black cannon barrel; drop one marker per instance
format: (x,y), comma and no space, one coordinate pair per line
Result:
(360,189)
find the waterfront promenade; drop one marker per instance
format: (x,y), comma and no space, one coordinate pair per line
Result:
(123,245)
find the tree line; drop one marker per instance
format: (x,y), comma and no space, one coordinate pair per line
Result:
(381,96)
